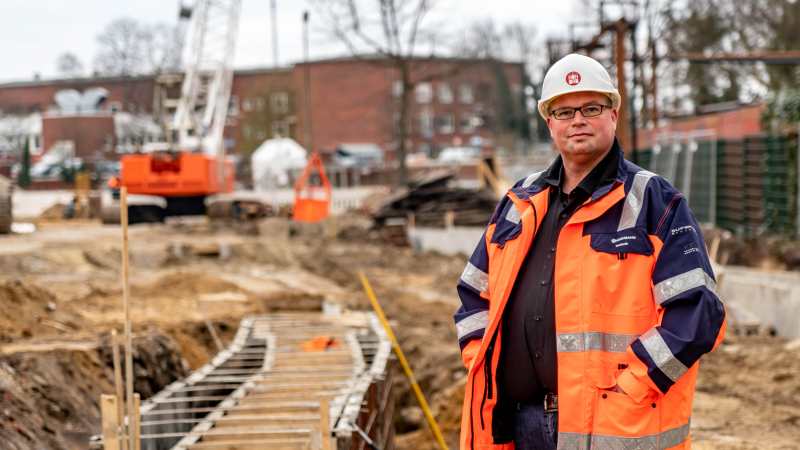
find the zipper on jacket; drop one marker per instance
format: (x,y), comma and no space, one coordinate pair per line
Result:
(488,389)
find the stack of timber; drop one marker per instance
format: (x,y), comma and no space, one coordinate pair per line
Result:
(268,391)
(429,199)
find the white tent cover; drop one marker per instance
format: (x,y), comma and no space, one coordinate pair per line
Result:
(272,161)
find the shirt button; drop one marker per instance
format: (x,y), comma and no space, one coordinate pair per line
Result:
(538,318)
(553,249)
(563,216)
(544,282)
(537,354)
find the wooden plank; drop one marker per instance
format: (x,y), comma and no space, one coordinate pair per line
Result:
(325,423)
(110,413)
(272,444)
(136,441)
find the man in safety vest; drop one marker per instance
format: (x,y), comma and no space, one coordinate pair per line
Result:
(590,297)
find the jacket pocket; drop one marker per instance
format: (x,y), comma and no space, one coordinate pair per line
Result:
(620,266)
(619,421)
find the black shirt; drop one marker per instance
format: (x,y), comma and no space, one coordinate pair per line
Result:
(528,367)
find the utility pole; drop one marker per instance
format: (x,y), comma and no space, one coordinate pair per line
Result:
(274,33)
(654,60)
(621,27)
(307,84)
(634,55)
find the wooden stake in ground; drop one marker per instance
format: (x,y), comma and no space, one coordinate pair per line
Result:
(210,326)
(118,386)
(126,295)
(111,421)
(325,423)
(401,357)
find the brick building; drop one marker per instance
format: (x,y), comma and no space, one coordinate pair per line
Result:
(352,101)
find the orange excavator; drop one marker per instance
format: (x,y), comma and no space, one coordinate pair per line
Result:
(177,177)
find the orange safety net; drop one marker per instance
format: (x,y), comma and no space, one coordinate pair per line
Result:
(312,201)
(319,344)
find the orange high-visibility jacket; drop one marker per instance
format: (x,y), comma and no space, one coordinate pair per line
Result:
(636,305)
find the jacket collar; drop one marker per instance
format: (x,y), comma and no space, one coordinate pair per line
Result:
(615,173)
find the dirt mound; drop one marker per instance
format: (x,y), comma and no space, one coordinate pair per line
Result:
(51,400)
(184,285)
(54,212)
(27,309)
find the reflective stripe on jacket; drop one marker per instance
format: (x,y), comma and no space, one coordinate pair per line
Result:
(636,305)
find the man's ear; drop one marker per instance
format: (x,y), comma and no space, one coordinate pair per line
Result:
(614,117)
(550,126)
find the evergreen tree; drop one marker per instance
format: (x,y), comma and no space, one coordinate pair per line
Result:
(24,179)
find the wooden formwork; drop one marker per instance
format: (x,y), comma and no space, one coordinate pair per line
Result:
(265,390)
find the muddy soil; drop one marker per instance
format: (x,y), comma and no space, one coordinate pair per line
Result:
(60,296)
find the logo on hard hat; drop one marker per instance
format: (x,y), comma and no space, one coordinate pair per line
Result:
(573,78)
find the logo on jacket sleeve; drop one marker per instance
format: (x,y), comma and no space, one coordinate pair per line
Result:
(573,78)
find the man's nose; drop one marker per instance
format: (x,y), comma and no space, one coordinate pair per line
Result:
(578,119)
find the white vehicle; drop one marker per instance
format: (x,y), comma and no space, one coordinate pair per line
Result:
(459,154)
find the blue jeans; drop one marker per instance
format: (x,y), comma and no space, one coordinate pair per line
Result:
(535,429)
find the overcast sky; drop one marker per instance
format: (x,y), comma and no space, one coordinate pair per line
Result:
(34,32)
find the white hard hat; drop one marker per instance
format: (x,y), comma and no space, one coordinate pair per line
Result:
(576,73)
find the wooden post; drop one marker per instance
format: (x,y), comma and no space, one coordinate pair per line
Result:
(325,423)
(411,223)
(623,122)
(210,326)
(449,219)
(136,443)
(110,413)
(118,388)
(126,294)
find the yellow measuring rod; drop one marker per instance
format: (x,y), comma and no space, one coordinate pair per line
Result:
(377,307)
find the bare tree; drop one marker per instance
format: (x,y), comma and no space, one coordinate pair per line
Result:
(121,50)
(162,46)
(395,30)
(69,65)
(129,48)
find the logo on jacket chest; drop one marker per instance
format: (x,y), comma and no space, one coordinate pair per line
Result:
(622,239)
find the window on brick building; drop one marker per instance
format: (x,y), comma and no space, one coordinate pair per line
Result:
(425,121)
(466,123)
(261,132)
(247,132)
(484,93)
(424,93)
(445,93)
(279,102)
(233,105)
(397,89)
(466,94)
(445,124)
(516,92)
(280,129)
(247,105)
(260,103)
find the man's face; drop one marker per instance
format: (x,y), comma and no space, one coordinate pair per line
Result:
(583,139)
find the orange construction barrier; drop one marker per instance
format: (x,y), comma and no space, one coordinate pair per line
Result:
(312,201)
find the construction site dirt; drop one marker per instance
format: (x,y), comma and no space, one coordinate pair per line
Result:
(61,296)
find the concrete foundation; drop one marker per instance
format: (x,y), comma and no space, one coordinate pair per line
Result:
(447,241)
(774,297)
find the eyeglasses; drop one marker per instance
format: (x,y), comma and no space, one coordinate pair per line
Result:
(586,111)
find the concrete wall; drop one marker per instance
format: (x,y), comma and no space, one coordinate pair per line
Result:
(773,296)
(447,241)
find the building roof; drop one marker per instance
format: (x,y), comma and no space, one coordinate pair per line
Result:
(100,79)
(249,71)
